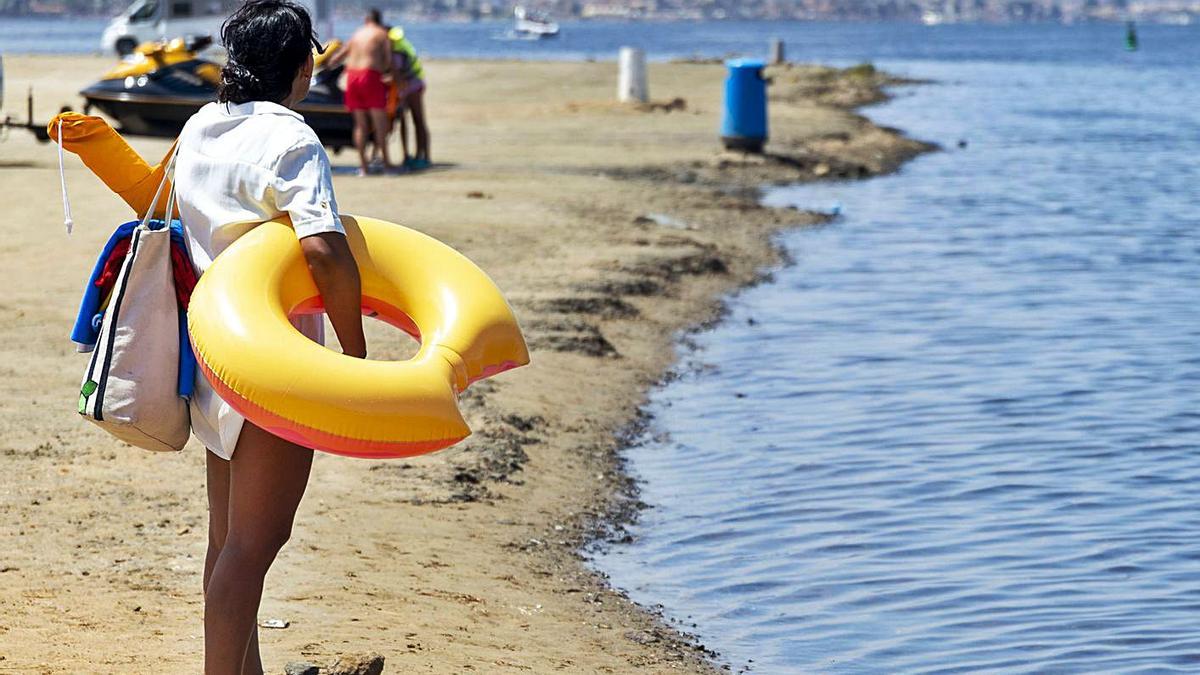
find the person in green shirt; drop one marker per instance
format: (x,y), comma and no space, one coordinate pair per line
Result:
(409,89)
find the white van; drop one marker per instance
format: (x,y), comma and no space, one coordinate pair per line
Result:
(147,20)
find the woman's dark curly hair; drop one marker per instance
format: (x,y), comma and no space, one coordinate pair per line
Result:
(268,42)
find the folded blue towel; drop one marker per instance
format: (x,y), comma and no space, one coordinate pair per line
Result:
(87,324)
(187,358)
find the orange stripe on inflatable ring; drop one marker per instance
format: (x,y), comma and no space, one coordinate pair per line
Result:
(316,439)
(386,311)
(490,371)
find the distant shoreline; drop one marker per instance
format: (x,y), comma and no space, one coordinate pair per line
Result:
(1154,17)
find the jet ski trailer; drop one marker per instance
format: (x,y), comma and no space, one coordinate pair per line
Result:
(7,122)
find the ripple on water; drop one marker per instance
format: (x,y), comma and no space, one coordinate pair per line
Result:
(961,433)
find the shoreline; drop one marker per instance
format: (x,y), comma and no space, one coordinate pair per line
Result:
(612,230)
(625,499)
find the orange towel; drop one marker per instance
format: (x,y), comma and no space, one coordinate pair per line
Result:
(112,160)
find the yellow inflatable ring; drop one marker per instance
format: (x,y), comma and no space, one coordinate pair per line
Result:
(298,390)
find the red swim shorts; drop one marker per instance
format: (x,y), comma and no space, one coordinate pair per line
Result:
(365,89)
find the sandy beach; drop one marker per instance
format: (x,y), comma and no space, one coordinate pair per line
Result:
(610,228)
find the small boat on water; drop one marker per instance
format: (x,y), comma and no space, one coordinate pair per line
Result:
(162,84)
(533,24)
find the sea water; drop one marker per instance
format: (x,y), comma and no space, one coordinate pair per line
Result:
(809,41)
(961,433)
(490,39)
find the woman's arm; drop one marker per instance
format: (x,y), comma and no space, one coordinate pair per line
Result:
(304,191)
(336,276)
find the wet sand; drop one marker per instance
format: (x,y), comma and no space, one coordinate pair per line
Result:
(611,228)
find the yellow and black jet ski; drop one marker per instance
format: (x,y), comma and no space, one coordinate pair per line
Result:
(156,89)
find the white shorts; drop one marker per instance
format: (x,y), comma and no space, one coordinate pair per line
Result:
(214,422)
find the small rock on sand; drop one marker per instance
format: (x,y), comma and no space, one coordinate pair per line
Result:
(357,664)
(301,668)
(641,637)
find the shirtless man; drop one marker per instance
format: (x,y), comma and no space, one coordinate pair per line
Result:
(368,58)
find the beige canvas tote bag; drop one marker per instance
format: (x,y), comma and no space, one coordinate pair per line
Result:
(131,385)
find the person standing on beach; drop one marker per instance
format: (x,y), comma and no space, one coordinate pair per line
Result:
(409,92)
(241,161)
(368,59)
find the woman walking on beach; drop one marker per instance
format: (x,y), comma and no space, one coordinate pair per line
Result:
(242,161)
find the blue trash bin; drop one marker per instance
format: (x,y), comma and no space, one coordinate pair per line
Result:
(744,122)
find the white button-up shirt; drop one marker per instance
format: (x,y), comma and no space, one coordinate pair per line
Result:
(241,165)
(238,166)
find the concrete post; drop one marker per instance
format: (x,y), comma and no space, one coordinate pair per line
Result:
(777,52)
(631,83)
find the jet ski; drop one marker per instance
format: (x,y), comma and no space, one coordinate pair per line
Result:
(155,90)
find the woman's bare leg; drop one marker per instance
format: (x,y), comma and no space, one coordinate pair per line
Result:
(416,104)
(218,511)
(218,527)
(267,478)
(400,112)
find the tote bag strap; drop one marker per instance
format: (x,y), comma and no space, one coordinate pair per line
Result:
(168,175)
(170,213)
